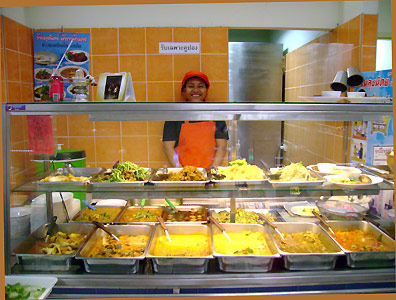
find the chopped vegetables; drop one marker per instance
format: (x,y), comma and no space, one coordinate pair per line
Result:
(124,172)
(18,291)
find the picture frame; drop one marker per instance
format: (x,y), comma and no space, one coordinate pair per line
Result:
(112,87)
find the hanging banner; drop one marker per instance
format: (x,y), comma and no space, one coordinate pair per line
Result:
(49,48)
(40,134)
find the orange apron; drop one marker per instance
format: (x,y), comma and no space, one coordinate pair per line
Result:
(197,144)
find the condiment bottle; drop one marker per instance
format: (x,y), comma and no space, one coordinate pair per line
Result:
(56,88)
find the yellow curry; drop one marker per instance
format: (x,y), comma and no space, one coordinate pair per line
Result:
(242,243)
(101,214)
(128,246)
(196,244)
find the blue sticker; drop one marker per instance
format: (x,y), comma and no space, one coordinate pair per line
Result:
(15,107)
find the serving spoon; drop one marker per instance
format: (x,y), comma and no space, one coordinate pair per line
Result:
(164,228)
(214,221)
(324,222)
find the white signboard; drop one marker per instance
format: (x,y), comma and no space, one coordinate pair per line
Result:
(180,48)
(379,154)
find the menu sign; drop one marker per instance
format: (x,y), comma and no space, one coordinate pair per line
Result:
(49,48)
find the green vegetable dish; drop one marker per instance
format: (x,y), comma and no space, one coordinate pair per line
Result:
(125,172)
(19,291)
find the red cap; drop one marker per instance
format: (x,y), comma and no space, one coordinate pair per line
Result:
(198,74)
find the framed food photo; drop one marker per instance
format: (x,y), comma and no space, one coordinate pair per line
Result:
(115,87)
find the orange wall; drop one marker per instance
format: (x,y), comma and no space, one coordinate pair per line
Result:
(309,70)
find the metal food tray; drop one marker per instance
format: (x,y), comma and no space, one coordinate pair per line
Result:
(308,261)
(245,263)
(96,183)
(239,181)
(30,260)
(97,207)
(280,184)
(78,172)
(114,265)
(256,210)
(163,183)
(366,259)
(201,208)
(124,211)
(180,264)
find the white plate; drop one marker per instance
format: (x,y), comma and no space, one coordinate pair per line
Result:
(42,69)
(374,180)
(47,282)
(75,68)
(76,62)
(45,58)
(298,210)
(37,95)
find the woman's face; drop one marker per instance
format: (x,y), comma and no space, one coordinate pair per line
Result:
(195,90)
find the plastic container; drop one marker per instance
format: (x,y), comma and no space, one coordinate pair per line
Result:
(39,212)
(20,224)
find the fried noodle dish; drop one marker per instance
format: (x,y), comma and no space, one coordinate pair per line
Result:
(295,172)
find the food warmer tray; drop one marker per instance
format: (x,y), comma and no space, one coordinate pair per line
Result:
(137,208)
(162,183)
(73,220)
(308,261)
(99,184)
(114,265)
(200,208)
(78,172)
(280,184)
(30,260)
(256,210)
(366,259)
(245,263)
(180,264)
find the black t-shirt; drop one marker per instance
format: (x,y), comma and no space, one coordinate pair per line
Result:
(172,130)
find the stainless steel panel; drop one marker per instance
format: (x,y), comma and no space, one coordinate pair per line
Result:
(180,265)
(248,263)
(308,261)
(30,261)
(114,265)
(363,259)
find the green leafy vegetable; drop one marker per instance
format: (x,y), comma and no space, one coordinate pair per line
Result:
(18,291)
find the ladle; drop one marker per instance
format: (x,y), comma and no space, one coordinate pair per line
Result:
(164,228)
(220,227)
(268,173)
(101,226)
(324,222)
(51,227)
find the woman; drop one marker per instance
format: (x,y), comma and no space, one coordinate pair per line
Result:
(195,143)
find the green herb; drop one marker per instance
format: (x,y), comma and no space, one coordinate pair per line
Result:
(145,214)
(249,250)
(18,291)
(379,238)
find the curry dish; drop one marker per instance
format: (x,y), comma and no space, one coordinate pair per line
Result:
(242,216)
(128,246)
(196,244)
(101,214)
(301,242)
(242,243)
(141,215)
(63,243)
(359,240)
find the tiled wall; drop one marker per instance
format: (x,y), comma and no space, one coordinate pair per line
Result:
(156,78)
(309,70)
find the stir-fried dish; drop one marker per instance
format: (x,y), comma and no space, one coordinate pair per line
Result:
(128,246)
(63,243)
(301,242)
(196,244)
(188,173)
(68,177)
(242,243)
(241,170)
(124,172)
(101,214)
(193,215)
(141,215)
(359,240)
(295,172)
(242,216)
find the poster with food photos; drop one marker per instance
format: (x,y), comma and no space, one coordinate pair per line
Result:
(49,48)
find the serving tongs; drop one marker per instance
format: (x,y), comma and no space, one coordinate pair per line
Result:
(142,202)
(51,228)
(214,221)
(375,223)
(214,174)
(63,201)
(69,168)
(324,222)
(265,219)
(101,226)
(164,228)
(268,173)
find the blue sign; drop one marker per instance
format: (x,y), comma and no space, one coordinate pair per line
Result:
(49,48)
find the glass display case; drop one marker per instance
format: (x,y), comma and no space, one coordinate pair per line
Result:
(21,187)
